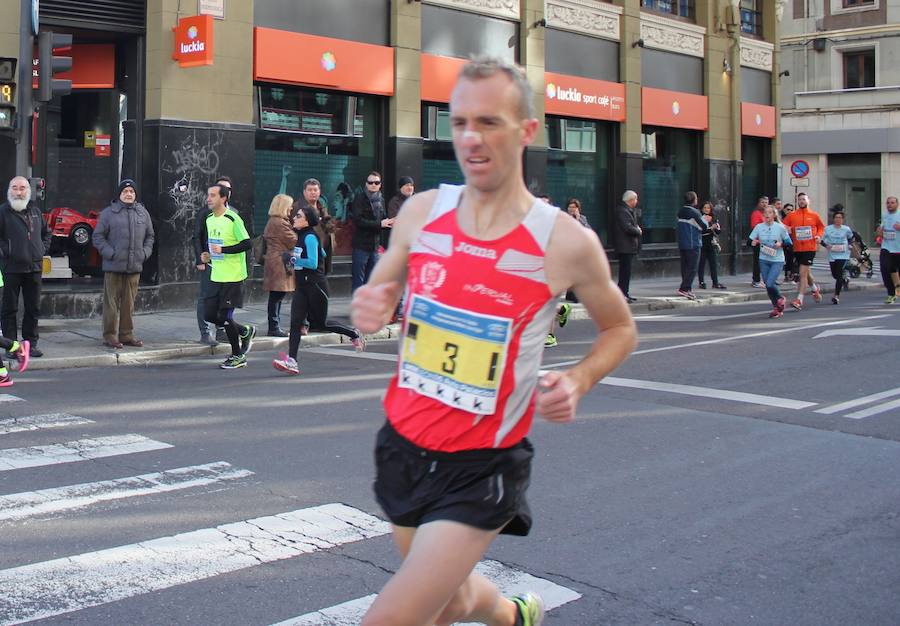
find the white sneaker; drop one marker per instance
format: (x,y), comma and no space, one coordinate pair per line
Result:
(284,363)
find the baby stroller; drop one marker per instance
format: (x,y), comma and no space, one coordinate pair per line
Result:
(859,261)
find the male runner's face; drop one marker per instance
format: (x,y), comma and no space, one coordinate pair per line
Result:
(802,202)
(891,204)
(488,132)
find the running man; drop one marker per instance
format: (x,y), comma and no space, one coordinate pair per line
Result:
(483,265)
(889,257)
(806,229)
(225,241)
(837,240)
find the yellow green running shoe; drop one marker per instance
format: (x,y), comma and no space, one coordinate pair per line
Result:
(562,313)
(531,609)
(550,341)
(890,300)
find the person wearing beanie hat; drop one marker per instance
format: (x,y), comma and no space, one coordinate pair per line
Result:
(124,238)
(405,188)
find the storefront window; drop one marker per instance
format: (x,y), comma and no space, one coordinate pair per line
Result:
(670,157)
(854,180)
(306,133)
(578,167)
(438,160)
(753,175)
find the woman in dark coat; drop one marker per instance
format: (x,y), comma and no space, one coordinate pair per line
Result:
(280,237)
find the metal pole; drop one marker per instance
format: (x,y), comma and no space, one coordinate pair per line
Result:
(25,107)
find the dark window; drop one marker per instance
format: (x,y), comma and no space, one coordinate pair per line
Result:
(859,69)
(849,4)
(751,17)
(670,157)
(677,8)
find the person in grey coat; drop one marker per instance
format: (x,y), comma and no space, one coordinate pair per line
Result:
(626,239)
(124,238)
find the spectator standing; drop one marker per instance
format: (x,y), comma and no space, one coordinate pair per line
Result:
(626,239)
(226,243)
(573,208)
(369,216)
(756,217)
(709,248)
(205,270)
(691,228)
(280,237)
(406,187)
(124,238)
(24,239)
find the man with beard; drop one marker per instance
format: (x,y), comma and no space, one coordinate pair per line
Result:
(24,239)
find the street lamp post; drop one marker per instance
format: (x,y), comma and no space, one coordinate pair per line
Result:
(25,108)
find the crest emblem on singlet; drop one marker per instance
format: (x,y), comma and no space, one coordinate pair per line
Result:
(432,276)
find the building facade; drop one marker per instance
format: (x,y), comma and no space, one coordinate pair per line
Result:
(658,96)
(841,104)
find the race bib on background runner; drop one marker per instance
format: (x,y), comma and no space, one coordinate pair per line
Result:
(838,248)
(804,233)
(890,234)
(454,356)
(767,250)
(215,256)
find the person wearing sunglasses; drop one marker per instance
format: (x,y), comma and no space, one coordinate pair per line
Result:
(369,216)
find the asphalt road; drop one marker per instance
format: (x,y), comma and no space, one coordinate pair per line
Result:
(736,470)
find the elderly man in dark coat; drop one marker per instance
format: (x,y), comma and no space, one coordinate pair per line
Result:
(124,238)
(24,240)
(626,239)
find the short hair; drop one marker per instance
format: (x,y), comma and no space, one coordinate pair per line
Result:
(281,205)
(224,191)
(802,193)
(574,201)
(374,173)
(310,182)
(690,197)
(629,195)
(786,205)
(894,198)
(774,200)
(483,66)
(225,179)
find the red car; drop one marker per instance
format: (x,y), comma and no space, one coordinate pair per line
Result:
(72,237)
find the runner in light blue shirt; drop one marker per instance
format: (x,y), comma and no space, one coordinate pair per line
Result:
(889,259)
(837,240)
(771,236)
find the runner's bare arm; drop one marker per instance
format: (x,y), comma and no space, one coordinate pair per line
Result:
(374,303)
(575,258)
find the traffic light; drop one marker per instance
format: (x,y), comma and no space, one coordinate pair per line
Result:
(51,65)
(7,93)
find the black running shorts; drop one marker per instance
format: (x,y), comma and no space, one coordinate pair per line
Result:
(805,258)
(227,295)
(480,488)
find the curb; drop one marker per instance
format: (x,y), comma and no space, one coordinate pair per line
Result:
(190,349)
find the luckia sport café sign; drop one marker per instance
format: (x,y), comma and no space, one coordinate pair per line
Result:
(584,97)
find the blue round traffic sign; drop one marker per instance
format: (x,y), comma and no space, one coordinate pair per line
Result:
(800,169)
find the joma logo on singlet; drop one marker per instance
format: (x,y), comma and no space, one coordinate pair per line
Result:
(485,253)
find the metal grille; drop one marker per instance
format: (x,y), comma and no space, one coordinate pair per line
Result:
(129,15)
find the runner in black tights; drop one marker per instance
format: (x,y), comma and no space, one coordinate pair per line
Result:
(310,301)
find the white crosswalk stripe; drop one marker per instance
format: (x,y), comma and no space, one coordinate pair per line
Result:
(72,451)
(60,586)
(864,400)
(39,422)
(5,397)
(510,581)
(48,501)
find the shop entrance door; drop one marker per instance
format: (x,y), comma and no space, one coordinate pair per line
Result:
(861,206)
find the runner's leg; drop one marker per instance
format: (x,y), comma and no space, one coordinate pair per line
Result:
(438,561)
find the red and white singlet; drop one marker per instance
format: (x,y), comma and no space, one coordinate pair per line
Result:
(476,316)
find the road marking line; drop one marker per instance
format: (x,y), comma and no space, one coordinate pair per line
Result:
(875,410)
(849,404)
(692,318)
(509,580)
(735,338)
(37,422)
(5,397)
(866,331)
(707,392)
(375,356)
(48,501)
(81,450)
(60,586)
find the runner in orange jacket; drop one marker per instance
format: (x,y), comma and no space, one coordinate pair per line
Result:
(806,230)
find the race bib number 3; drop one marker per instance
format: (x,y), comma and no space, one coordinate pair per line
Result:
(215,256)
(454,356)
(804,233)
(767,250)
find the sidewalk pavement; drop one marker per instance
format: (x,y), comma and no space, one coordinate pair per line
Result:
(174,334)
